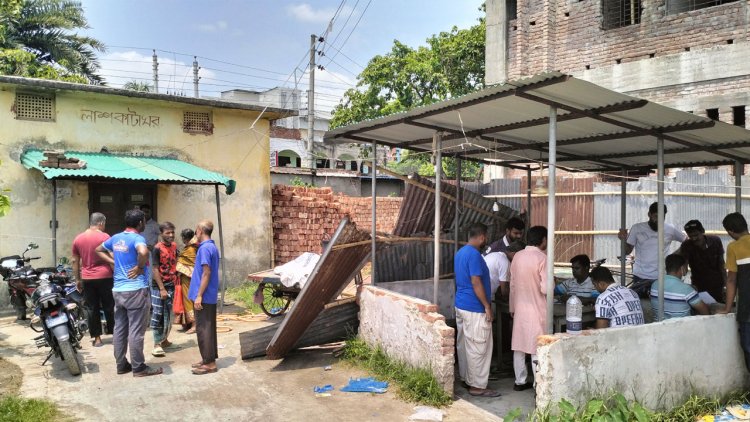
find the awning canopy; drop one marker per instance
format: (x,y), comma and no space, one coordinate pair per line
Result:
(100,165)
(597,129)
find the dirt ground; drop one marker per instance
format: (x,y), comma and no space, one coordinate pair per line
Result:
(241,391)
(11,377)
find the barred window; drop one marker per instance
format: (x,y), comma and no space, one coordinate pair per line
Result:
(197,122)
(679,6)
(35,107)
(621,13)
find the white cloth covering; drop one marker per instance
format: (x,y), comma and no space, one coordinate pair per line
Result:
(295,273)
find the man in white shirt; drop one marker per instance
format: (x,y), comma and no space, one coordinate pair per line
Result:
(499,265)
(643,237)
(616,306)
(151,232)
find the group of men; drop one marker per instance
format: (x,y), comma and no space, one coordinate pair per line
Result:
(132,278)
(517,273)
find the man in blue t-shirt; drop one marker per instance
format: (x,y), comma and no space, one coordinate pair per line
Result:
(204,292)
(128,253)
(474,314)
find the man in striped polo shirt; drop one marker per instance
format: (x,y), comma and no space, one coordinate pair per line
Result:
(679,298)
(581,284)
(738,276)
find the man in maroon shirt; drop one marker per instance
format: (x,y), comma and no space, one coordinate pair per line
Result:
(705,254)
(94,276)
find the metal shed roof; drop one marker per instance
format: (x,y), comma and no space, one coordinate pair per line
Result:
(597,128)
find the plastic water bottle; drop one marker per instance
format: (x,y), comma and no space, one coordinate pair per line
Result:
(573,315)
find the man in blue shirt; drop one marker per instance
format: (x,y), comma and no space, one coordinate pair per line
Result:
(204,292)
(474,314)
(679,298)
(128,253)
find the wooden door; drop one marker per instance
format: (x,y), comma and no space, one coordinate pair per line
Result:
(113,200)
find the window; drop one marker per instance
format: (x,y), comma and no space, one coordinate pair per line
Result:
(197,122)
(620,13)
(738,116)
(512,9)
(35,107)
(679,6)
(712,113)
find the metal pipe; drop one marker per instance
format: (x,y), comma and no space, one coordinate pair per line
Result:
(528,201)
(552,160)
(53,223)
(623,222)
(221,250)
(738,170)
(458,206)
(660,222)
(373,240)
(436,256)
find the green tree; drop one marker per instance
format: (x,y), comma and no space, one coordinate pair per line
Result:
(138,86)
(46,29)
(451,64)
(4,201)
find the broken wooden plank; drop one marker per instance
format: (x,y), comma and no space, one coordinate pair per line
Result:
(338,321)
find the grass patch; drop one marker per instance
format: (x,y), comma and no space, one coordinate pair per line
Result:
(18,409)
(617,409)
(245,293)
(412,385)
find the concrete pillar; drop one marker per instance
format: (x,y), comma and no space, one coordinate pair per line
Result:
(496,49)
(725,115)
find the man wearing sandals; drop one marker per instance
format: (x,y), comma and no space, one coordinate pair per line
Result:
(164,258)
(204,292)
(128,253)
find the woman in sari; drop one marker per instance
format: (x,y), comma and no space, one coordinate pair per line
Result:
(185,265)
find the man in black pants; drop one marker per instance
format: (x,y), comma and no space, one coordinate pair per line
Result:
(204,292)
(94,277)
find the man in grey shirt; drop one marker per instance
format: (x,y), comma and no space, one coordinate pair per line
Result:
(151,232)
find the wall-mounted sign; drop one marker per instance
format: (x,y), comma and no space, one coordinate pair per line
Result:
(136,198)
(105,199)
(131,118)
(274,158)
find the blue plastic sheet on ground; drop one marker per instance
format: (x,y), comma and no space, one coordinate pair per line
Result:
(365,385)
(324,389)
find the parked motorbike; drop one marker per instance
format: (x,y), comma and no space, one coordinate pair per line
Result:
(22,279)
(61,321)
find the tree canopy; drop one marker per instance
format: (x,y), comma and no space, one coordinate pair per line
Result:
(451,64)
(38,39)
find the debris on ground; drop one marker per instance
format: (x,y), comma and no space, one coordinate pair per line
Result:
(328,368)
(324,389)
(365,385)
(730,414)
(427,413)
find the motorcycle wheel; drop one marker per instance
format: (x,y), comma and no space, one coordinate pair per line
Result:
(70,358)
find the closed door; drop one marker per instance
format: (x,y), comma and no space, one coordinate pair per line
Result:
(113,200)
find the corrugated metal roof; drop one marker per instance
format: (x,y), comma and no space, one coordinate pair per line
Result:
(128,167)
(597,129)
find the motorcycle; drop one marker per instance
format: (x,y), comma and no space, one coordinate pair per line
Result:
(61,321)
(21,278)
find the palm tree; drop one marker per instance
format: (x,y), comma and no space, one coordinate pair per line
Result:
(137,86)
(47,29)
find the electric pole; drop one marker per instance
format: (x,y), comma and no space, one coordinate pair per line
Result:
(195,76)
(155,68)
(311,104)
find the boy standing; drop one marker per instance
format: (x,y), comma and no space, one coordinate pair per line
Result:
(164,257)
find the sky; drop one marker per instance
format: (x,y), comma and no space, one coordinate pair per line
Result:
(257,44)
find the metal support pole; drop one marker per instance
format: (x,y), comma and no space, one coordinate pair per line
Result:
(738,170)
(437,138)
(311,105)
(373,173)
(221,249)
(53,223)
(552,159)
(528,201)
(623,222)
(196,78)
(456,228)
(155,69)
(660,222)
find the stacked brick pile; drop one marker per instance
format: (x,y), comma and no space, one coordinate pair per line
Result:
(303,217)
(57,159)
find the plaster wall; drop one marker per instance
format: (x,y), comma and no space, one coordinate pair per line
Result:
(658,364)
(422,289)
(409,330)
(232,150)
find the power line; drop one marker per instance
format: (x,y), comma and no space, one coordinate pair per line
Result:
(345,23)
(354,28)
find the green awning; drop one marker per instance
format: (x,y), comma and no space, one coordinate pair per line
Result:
(128,167)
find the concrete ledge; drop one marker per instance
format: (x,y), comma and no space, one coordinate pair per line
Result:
(408,329)
(658,364)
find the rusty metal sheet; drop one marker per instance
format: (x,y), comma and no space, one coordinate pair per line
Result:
(335,269)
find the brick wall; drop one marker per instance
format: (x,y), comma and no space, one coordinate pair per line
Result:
(303,217)
(426,343)
(543,38)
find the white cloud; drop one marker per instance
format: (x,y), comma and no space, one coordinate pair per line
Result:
(306,13)
(175,76)
(217,26)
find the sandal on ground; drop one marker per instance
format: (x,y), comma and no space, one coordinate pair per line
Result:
(97,344)
(203,370)
(166,343)
(197,365)
(485,393)
(148,372)
(191,330)
(158,352)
